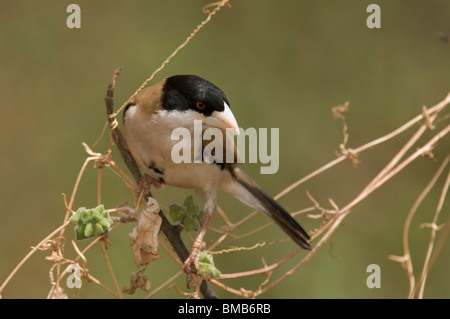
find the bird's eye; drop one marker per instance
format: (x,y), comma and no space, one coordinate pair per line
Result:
(200,105)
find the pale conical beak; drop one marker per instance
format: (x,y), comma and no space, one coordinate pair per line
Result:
(223,120)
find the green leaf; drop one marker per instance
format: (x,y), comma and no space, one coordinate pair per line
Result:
(197,211)
(189,213)
(177,212)
(190,223)
(200,215)
(189,204)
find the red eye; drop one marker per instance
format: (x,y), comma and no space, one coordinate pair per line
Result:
(201,105)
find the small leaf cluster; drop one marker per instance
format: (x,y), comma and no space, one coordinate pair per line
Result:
(91,222)
(189,214)
(206,265)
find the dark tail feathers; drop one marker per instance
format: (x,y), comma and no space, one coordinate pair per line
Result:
(279,215)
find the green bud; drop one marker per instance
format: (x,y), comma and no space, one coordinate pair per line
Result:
(206,258)
(104,214)
(105,223)
(79,232)
(215,272)
(100,209)
(91,222)
(206,263)
(75,218)
(204,268)
(98,229)
(209,270)
(95,213)
(87,216)
(89,230)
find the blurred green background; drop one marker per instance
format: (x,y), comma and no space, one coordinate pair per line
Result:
(282,64)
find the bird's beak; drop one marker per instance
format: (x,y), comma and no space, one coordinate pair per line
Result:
(224,119)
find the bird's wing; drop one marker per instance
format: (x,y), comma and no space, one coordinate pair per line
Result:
(230,154)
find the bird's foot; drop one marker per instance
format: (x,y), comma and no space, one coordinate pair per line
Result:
(145,183)
(191,263)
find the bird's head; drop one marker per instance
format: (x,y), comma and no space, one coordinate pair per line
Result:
(201,99)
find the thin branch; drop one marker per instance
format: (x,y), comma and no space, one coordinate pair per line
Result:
(108,263)
(164,284)
(89,277)
(406,259)
(99,186)
(434,228)
(349,207)
(437,108)
(335,222)
(24,260)
(218,5)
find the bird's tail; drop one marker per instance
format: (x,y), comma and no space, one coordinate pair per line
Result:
(248,192)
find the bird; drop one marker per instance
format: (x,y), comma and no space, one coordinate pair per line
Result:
(151,116)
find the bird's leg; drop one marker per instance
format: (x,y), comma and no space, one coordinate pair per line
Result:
(145,183)
(191,263)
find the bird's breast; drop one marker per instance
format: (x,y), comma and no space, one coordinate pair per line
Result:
(151,142)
